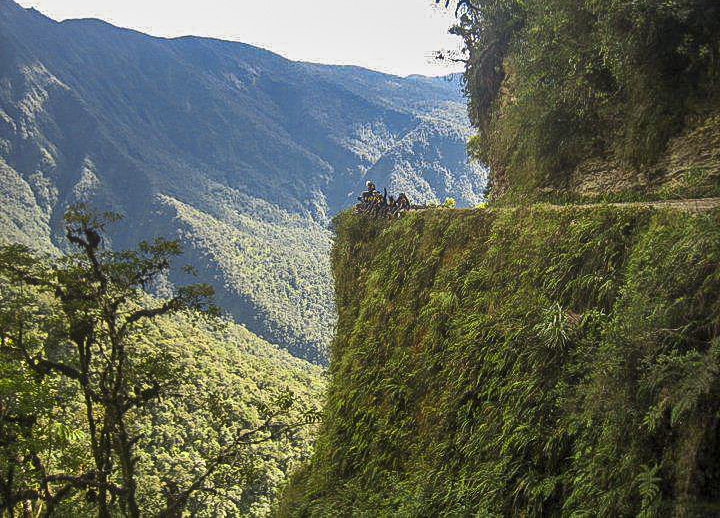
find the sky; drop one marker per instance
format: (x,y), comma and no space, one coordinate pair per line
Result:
(393,36)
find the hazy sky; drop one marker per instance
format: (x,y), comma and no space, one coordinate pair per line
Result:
(395,36)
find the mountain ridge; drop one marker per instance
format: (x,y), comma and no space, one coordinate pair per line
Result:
(128,122)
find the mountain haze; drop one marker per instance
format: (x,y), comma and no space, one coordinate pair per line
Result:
(240,153)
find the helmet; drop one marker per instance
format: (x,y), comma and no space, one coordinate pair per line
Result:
(370,185)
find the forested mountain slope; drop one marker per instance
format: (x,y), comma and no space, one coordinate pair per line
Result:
(233,366)
(237,151)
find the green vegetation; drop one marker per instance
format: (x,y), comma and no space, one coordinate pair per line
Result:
(114,402)
(554,84)
(276,260)
(521,362)
(240,153)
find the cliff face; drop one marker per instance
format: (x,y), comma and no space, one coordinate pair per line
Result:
(534,362)
(688,166)
(587,99)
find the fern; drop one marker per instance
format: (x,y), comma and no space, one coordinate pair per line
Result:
(648,483)
(553,328)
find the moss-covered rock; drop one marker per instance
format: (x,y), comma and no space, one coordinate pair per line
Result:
(527,362)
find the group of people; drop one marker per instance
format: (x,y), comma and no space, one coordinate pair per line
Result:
(379,205)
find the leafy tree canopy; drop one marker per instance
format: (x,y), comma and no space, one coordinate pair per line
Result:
(88,384)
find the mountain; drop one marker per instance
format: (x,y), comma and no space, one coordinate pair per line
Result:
(241,154)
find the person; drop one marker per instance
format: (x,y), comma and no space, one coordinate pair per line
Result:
(379,204)
(403,203)
(368,195)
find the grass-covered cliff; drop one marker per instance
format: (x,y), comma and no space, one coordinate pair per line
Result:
(529,362)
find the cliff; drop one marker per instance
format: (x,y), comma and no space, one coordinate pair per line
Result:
(688,167)
(539,361)
(587,99)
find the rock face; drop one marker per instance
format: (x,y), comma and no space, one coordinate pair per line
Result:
(240,153)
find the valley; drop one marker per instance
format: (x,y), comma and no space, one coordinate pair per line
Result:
(241,154)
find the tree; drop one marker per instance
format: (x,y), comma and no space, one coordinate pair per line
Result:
(449,202)
(73,324)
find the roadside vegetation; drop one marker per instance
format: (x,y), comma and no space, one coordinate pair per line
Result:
(562,92)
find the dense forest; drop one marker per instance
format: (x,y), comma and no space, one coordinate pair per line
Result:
(117,402)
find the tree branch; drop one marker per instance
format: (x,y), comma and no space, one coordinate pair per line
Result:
(176,503)
(42,365)
(167,307)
